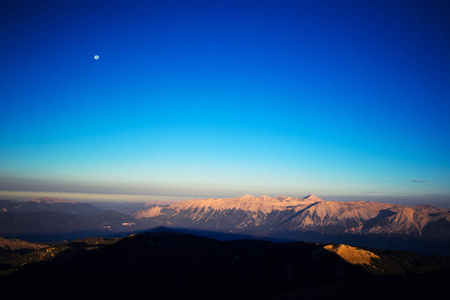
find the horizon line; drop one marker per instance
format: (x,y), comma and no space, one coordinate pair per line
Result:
(442,201)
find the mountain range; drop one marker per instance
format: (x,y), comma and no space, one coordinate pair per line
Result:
(231,248)
(52,219)
(71,208)
(309,218)
(422,228)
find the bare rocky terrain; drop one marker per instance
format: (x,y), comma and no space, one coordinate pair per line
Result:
(309,218)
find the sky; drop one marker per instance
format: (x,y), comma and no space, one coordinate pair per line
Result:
(195,99)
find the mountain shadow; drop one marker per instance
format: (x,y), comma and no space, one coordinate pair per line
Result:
(173,265)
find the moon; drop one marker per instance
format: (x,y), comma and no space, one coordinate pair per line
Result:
(96,57)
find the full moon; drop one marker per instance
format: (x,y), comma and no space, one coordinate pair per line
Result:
(96,57)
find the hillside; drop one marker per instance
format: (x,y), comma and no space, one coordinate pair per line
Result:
(171,265)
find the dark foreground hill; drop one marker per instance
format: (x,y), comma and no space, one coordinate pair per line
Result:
(171,265)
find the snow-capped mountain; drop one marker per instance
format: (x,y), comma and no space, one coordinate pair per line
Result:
(268,216)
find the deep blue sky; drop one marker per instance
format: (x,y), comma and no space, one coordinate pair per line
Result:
(222,98)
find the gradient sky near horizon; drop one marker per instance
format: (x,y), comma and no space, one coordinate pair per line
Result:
(224,98)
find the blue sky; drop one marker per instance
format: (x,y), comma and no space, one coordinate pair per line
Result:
(222,98)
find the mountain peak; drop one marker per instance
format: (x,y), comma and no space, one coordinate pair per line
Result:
(312,197)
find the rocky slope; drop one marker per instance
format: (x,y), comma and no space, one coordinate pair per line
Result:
(271,216)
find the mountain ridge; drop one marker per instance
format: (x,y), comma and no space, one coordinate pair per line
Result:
(266,216)
(72,208)
(51,200)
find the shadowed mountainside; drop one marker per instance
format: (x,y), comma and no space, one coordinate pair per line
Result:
(171,265)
